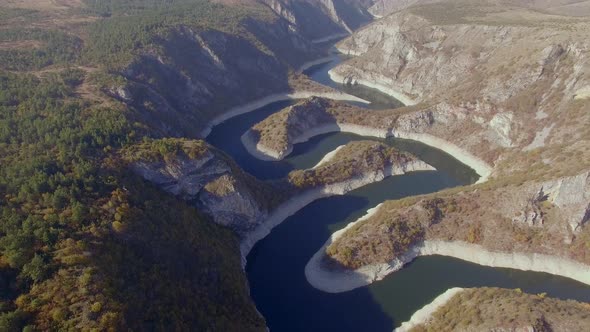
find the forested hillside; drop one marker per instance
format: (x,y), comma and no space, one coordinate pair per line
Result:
(84,243)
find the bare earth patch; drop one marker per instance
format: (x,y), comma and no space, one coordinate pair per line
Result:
(20,45)
(42,4)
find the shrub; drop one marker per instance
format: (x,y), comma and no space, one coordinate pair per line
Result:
(96,307)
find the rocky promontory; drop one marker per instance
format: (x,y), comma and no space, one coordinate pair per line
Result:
(538,227)
(274,137)
(207,178)
(499,85)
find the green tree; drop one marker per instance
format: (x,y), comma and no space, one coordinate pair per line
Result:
(36,269)
(12,321)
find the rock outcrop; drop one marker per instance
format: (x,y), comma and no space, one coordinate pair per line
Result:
(321,19)
(456,66)
(175,85)
(274,137)
(213,183)
(572,196)
(569,194)
(419,56)
(501,92)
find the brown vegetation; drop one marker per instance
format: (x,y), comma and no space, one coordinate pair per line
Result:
(165,149)
(487,309)
(478,216)
(353,160)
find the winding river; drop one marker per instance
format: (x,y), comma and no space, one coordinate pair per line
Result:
(276,264)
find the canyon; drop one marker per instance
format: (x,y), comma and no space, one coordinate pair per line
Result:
(213,112)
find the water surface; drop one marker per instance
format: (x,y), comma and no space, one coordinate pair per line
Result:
(378,99)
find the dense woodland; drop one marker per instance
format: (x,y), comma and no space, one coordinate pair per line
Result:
(114,40)
(56,47)
(127,28)
(85,244)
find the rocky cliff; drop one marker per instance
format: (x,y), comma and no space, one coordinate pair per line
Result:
(513,219)
(422,53)
(176,81)
(455,65)
(193,75)
(208,179)
(274,137)
(321,19)
(503,83)
(212,182)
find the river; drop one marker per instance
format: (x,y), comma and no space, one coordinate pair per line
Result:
(276,264)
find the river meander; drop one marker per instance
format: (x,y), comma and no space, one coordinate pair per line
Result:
(276,264)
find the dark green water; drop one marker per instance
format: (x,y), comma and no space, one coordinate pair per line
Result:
(276,264)
(378,99)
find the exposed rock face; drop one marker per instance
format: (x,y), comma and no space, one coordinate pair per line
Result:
(531,214)
(406,52)
(231,202)
(497,87)
(177,86)
(583,93)
(318,19)
(274,137)
(572,196)
(542,217)
(215,186)
(501,123)
(121,93)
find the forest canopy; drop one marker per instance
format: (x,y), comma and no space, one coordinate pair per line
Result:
(85,243)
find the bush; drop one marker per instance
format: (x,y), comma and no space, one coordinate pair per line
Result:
(96,307)
(12,321)
(36,269)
